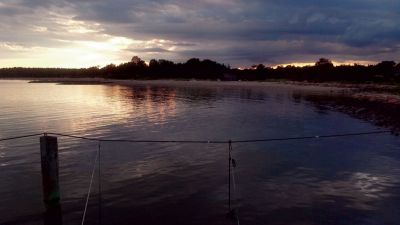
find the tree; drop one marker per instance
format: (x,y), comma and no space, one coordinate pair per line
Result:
(110,68)
(323,62)
(137,61)
(193,62)
(260,67)
(153,63)
(385,68)
(397,68)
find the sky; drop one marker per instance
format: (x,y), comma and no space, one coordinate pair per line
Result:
(83,33)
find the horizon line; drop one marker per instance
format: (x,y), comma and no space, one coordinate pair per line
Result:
(295,64)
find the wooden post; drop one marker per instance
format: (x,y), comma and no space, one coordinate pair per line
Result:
(49,159)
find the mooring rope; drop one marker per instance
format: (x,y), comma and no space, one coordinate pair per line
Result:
(90,187)
(235,191)
(199,141)
(138,141)
(313,137)
(99,182)
(231,161)
(229,175)
(224,142)
(22,136)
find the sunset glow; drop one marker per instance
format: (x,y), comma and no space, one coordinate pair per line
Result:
(67,33)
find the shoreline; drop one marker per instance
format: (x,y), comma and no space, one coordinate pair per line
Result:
(364,86)
(191,83)
(382,93)
(376,103)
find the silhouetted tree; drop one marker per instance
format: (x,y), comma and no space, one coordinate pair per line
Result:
(136,60)
(260,67)
(397,69)
(109,70)
(322,71)
(385,68)
(323,62)
(153,63)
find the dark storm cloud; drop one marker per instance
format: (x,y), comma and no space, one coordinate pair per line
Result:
(232,31)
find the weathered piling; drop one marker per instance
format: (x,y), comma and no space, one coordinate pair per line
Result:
(50,178)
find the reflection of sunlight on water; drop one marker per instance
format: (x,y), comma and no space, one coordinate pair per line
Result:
(302,188)
(359,189)
(369,185)
(91,109)
(158,111)
(152,172)
(155,105)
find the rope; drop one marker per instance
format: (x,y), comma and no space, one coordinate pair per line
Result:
(97,158)
(223,142)
(99,186)
(313,137)
(19,137)
(199,141)
(229,175)
(139,141)
(74,136)
(90,188)
(234,184)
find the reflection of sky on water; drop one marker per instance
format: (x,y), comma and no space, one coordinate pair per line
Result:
(354,178)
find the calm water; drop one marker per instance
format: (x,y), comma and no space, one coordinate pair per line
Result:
(353,180)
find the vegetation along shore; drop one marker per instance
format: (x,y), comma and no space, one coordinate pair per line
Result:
(370,92)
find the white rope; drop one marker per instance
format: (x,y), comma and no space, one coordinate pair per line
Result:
(90,188)
(233,179)
(235,192)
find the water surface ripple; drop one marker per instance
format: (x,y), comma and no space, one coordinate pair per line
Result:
(352,180)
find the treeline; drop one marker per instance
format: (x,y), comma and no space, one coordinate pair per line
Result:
(20,72)
(135,69)
(322,71)
(325,71)
(163,69)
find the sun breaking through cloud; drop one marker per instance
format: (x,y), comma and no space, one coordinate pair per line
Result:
(71,33)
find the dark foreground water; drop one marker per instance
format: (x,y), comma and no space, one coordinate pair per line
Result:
(352,180)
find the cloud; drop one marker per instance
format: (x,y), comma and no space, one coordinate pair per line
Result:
(237,32)
(149,50)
